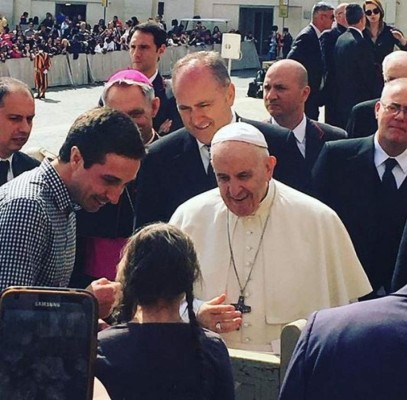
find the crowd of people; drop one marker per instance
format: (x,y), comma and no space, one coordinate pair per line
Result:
(63,35)
(285,217)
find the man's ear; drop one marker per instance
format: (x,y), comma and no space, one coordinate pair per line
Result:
(271,163)
(76,158)
(155,106)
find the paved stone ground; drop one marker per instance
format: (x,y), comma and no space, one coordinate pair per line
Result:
(56,113)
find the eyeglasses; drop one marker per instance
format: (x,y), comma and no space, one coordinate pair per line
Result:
(375,11)
(395,109)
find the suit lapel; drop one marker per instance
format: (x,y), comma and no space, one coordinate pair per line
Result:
(314,141)
(16,166)
(194,174)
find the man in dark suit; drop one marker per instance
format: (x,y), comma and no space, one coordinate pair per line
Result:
(328,42)
(363,180)
(356,78)
(177,167)
(17,110)
(400,270)
(147,45)
(362,121)
(353,352)
(285,93)
(306,49)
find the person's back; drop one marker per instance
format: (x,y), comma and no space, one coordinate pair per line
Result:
(152,353)
(352,352)
(157,361)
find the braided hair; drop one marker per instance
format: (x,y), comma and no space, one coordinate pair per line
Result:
(159,263)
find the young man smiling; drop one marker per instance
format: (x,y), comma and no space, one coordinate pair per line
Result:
(100,155)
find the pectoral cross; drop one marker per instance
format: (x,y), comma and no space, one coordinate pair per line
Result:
(241,306)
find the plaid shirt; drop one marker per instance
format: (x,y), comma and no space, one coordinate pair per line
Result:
(37,230)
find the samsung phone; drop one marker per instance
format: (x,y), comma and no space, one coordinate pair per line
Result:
(47,343)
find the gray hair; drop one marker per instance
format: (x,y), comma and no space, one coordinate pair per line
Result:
(9,85)
(321,6)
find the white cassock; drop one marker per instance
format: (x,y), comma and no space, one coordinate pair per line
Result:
(306,260)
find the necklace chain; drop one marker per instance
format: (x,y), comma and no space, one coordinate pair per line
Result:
(232,257)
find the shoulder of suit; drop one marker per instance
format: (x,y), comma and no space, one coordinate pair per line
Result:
(268,129)
(171,142)
(296,202)
(331,131)
(349,146)
(25,158)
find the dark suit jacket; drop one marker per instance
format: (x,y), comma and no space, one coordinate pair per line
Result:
(400,270)
(353,352)
(306,49)
(355,74)
(22,162)
(168,106)
(292,168)
(328,42)
(346,179)
(173,172)
(362,120)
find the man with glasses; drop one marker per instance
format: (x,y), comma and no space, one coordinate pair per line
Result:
(362,121)
(307,50)
(356,77)
(363,180)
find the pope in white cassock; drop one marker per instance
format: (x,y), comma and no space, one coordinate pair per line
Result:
(268,253)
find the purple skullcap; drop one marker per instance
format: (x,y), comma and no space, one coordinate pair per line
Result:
(129,76)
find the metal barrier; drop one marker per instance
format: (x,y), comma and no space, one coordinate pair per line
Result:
(89,68)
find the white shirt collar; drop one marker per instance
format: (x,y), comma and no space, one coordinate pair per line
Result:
(317,31)
(299,130)
(357,30)
(380,156)
(7,159)
(153,77)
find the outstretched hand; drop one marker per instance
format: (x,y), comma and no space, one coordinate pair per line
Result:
(219,317)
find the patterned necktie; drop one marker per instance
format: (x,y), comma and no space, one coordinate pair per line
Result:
(388,180)
(209,171)
(4,167)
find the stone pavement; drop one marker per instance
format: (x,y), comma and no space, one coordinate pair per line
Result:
(63,105)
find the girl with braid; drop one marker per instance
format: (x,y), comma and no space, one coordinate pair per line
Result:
(152,353)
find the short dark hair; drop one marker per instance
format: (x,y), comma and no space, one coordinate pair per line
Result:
(354,13)
(159,34)
(9,85)
(103,131)
(159,263)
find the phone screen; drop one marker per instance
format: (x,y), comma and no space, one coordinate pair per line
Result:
(46,346)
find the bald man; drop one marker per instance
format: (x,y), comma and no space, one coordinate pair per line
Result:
(285,92)
(362,121)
